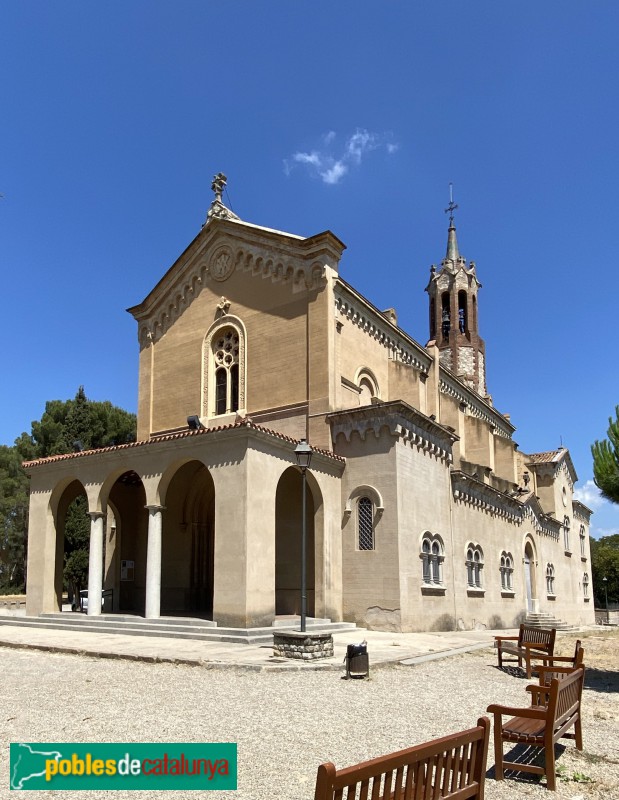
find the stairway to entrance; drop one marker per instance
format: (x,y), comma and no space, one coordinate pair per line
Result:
(542,619)
(171,627)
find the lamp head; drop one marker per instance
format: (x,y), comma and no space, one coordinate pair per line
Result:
(303,454)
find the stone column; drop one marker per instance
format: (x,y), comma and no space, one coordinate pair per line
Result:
(95,563)
(153,562)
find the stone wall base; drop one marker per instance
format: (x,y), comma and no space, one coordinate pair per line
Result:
(13,602)
(305,646)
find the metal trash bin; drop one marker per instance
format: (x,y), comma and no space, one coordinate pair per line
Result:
(357,661)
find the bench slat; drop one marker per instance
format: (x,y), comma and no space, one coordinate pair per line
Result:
(452,768)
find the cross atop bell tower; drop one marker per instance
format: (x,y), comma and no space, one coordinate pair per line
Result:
(452,242)
(453,291)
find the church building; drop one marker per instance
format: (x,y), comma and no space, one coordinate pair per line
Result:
(421,512)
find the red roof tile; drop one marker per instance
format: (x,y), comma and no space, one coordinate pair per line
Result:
(244,423)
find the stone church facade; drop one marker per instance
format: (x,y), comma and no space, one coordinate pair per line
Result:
(422,513)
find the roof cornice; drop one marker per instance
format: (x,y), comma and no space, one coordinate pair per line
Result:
(244,425)
(470,490)
(402,422)
(359,310)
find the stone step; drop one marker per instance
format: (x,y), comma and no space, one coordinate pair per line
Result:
(542,619)
(199,630)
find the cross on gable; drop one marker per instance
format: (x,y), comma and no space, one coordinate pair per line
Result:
(218,185)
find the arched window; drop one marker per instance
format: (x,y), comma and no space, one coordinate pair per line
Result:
(224,368)
(368,386)
(583,542)
(463,322)
(507,571)
(585,585)
(365,523)
(445,315)
(550,579)
(432,557)
(366,392)
(566,533)
(474,566)
(226,358)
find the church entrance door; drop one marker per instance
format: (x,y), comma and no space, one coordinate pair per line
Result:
(201,587)
(529,577)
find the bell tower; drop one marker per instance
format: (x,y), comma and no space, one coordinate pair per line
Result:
(454,330)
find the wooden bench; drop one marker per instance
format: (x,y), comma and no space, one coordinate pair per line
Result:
(566,661)
(450,768)
(554,710)
(531,643)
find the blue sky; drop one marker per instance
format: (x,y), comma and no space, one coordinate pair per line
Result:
(349,116)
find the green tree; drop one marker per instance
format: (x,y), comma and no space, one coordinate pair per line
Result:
(64,424)
(605,564)
(76,546)
(606,461)
(13,521)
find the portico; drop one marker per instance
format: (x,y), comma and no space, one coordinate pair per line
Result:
(195,516)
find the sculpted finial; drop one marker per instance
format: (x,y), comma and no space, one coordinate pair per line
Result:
(218,209)
(218,185)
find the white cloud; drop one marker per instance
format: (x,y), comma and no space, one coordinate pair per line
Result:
(589,494)
(330,165)
(360,143)
(334,173)
(598,533)
(307,158)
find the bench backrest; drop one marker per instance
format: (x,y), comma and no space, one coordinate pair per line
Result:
(453,768)
(541,638)
(564,700)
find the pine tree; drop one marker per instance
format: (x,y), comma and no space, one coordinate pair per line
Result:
(606,461)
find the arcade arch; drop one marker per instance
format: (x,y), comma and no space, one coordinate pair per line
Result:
(188,544)
(288,505)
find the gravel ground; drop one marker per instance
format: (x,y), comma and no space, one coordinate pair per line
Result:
(287,723)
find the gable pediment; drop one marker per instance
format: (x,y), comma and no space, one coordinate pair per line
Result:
(226,246)
(542,522)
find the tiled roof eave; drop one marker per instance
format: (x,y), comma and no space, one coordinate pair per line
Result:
(245,424)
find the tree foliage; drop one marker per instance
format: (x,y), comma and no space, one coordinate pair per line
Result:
(76,545)
(13,521)
(605,564)
(606,461)
(80,422)
(64,427)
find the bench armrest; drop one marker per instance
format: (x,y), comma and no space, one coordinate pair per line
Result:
(498,639)
(563,659)
(537,712)
(537,689)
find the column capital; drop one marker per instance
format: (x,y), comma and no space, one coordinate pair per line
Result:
(95,515)
(154,507)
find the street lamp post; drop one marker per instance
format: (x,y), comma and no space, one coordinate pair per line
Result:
(303,454)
